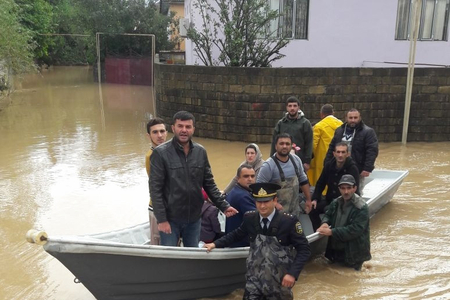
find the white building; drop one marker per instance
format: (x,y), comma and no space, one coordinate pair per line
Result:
(356,33)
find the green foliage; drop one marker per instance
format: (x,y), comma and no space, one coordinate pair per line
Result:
(35,22)
(121,16)
(70,47)
(16,50)
(113,17)
(240,30)
(37,17)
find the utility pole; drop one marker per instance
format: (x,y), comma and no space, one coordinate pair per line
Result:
(414,33)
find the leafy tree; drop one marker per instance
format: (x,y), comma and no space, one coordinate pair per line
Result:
(67,48)
(34,22)
(37,17)
(125,16)
(109,17)
(244,32)
(16,49)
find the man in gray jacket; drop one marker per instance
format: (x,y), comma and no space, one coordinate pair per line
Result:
(287,171)
(179,170)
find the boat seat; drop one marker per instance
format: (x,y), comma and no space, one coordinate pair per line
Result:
(139,235)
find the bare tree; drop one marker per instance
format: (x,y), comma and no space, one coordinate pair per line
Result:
(244,32)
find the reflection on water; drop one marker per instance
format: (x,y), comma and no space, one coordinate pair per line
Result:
(73,164)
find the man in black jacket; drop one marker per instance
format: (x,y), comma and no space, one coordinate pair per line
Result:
(179,170)
(272,267)
(332,172)
(363,144)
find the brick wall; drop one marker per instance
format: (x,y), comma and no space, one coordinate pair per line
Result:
(244,104)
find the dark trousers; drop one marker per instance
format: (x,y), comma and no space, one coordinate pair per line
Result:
(339,256)
(314,214)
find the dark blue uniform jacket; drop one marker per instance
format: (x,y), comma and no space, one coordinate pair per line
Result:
(286,228)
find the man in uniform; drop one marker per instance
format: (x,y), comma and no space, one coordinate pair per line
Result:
(286,170)
(299,128)
(157,134)
(272,267)
(346,223)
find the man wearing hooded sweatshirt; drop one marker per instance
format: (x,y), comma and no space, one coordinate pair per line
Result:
(299,128)
(362,141)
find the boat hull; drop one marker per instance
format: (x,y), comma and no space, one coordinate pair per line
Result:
(120,264)
(133,277)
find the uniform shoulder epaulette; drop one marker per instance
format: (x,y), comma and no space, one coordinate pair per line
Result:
(250,212)
(289,215)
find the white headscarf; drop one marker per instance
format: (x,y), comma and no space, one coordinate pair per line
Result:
(257,163)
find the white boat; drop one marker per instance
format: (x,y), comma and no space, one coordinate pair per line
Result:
(121,265)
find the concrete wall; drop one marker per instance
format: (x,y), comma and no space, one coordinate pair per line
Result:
(347,33)
(244,104)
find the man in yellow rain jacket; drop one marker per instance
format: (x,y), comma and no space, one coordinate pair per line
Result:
(323,133)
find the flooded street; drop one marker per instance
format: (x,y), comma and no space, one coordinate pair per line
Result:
(72,162)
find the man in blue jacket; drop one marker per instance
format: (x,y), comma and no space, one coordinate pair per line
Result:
(241,199)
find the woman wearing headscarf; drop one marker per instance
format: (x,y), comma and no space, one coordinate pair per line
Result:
(253,157)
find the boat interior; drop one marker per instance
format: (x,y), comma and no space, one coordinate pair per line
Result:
(139,234)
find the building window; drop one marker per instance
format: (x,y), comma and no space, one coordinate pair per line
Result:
(433,20)
(293,22)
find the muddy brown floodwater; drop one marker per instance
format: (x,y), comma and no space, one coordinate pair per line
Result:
(73,163)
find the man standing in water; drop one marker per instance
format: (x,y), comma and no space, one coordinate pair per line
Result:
(272,267)
(362,141)
(287,171)
(157,134)
(346,223)
(179,170)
